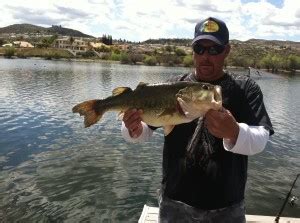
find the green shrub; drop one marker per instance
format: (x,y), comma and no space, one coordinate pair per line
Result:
(103,49)
(87,54)
(124,58)
(56,56)
(115,56)
(136,57)
(176,60)
(188,61)
(150,60)
(48,56)
(293,62)
(116,50)
(20,54)
(9,52)
(180,52)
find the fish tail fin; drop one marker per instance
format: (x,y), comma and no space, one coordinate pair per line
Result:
(91,111)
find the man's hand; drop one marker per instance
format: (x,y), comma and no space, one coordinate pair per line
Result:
(132,120)
(222,124)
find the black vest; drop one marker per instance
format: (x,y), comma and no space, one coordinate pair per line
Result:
(218,181)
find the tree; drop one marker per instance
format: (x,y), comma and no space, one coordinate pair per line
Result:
(2,41)
(71,40)
(53,38)
(107,39)
(168,48)
(272,61)
(293,62)
(47,42)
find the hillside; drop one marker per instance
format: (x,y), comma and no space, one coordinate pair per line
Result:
(259,53)
(175,41)
(274,44)
(33,29)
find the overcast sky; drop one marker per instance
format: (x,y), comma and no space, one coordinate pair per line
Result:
(139,20)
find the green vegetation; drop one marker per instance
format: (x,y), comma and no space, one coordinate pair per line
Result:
(150,60)
(53,30)
(107,39)
(275,62)
(35,52)
(45,42)
(188,61)
(9,52)
(262,54)
(264,57)
(270,55)
(86,54)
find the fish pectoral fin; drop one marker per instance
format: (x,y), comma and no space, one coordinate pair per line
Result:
(120,115)
(168,129)
(121,90)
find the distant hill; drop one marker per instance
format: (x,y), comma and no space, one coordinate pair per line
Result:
(33,29)
(270,43)
(250,42)
(175,41)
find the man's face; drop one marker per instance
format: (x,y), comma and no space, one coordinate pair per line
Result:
(209,67)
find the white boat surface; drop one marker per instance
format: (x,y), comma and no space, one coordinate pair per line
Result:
(150,215)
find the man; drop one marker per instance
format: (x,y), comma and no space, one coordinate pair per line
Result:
(205,161)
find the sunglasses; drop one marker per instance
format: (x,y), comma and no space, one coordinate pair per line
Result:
(211,50)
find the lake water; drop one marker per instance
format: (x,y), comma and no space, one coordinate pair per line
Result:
(54,170)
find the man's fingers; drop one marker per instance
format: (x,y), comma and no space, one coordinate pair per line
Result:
(212,115)
(134,124)
(132,120)
(128,114)
(132,114)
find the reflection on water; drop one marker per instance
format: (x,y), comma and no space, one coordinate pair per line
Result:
(53,169)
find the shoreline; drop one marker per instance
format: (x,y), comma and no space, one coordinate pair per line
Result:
(95,60)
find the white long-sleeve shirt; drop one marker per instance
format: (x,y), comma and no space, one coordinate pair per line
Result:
(251,139)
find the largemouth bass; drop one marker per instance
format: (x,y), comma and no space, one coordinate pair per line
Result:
(158,102)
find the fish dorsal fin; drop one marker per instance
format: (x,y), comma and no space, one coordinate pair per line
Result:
(121,90)
(141,84)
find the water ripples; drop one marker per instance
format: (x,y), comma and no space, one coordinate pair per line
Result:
(53,169)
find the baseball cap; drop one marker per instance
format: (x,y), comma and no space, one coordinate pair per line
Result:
(212,29)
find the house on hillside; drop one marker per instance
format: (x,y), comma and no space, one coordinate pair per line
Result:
(18,44)
(79,45)
(76,45)
(63,43)
(22,44)
(7,45)
(97,45)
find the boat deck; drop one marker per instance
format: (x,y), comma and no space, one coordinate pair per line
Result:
(150,215)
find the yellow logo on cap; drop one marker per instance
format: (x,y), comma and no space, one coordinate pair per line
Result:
(210,26)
